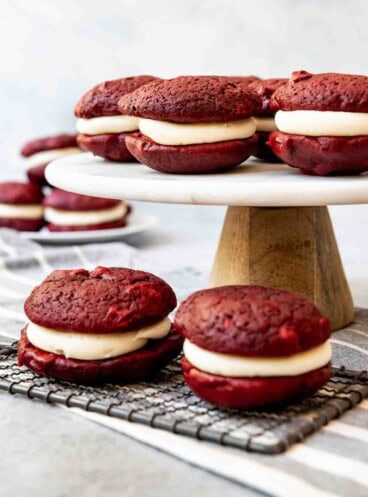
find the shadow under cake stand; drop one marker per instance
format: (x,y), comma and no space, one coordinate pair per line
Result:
(277,231)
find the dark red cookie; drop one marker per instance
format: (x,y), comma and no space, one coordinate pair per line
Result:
(191,159)
(192,99)
(100,301)
(110,146)
(327,91)
(21,224)
(36,174)
(322,155)
(102,99)
(247,393)
(265,89)
(263,151)
(136,366)
(60,199)
(89,227)
(251,321)
(14,192)
(49,143)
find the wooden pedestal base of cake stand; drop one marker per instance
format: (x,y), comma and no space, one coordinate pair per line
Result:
(290,247)
(277,230)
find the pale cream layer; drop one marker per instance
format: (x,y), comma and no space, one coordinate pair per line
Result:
(322,123)
(168,133)
(47,156)
(94,346)
(265,124)
(239,366)
(107,124)
(84,218)
(21,211)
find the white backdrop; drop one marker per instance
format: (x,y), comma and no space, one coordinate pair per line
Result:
(54,50)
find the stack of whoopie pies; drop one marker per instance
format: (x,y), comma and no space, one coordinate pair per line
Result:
(207,124)
(59,210)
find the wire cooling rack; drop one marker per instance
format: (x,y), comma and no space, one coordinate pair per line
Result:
(168,404)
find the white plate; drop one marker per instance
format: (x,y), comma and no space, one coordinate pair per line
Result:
(251,184)
(137,223)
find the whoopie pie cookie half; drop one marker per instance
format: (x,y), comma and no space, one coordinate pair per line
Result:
(105,325)
(248,346)
(65,211)
(265,121)
(41,151)
(21,206)
(192,124)
(322,122)
(102,128)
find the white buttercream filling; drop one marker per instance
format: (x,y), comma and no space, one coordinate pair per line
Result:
(84,218)
(322,123)
(47,156)
(21,211)
(107,124)
(94,346)
(265,124)
(169,133)
(240,366)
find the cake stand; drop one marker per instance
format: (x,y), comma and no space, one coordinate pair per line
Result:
(277,231)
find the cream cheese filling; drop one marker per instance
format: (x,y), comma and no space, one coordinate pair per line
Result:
(322,123)
(107,124)
(239,366)
(21,211)
(169,133)
(84,218)
(265,124)
(94,346)
(47,156)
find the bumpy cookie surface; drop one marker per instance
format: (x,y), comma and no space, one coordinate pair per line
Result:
(328,91)
(100,301)
(189,99)
(60,199)
(265,89)
(102,99)
(49,143)
(251,321)
(13,192)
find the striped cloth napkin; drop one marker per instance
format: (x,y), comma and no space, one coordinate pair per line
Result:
(333,462)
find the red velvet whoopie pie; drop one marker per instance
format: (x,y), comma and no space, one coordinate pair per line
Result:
(192,124)
(105,325)
(322,122)
(41,151)
(250,346)
(102,129)
(21,206)
(66,211)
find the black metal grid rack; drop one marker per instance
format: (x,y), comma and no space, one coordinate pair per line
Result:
(168,404)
